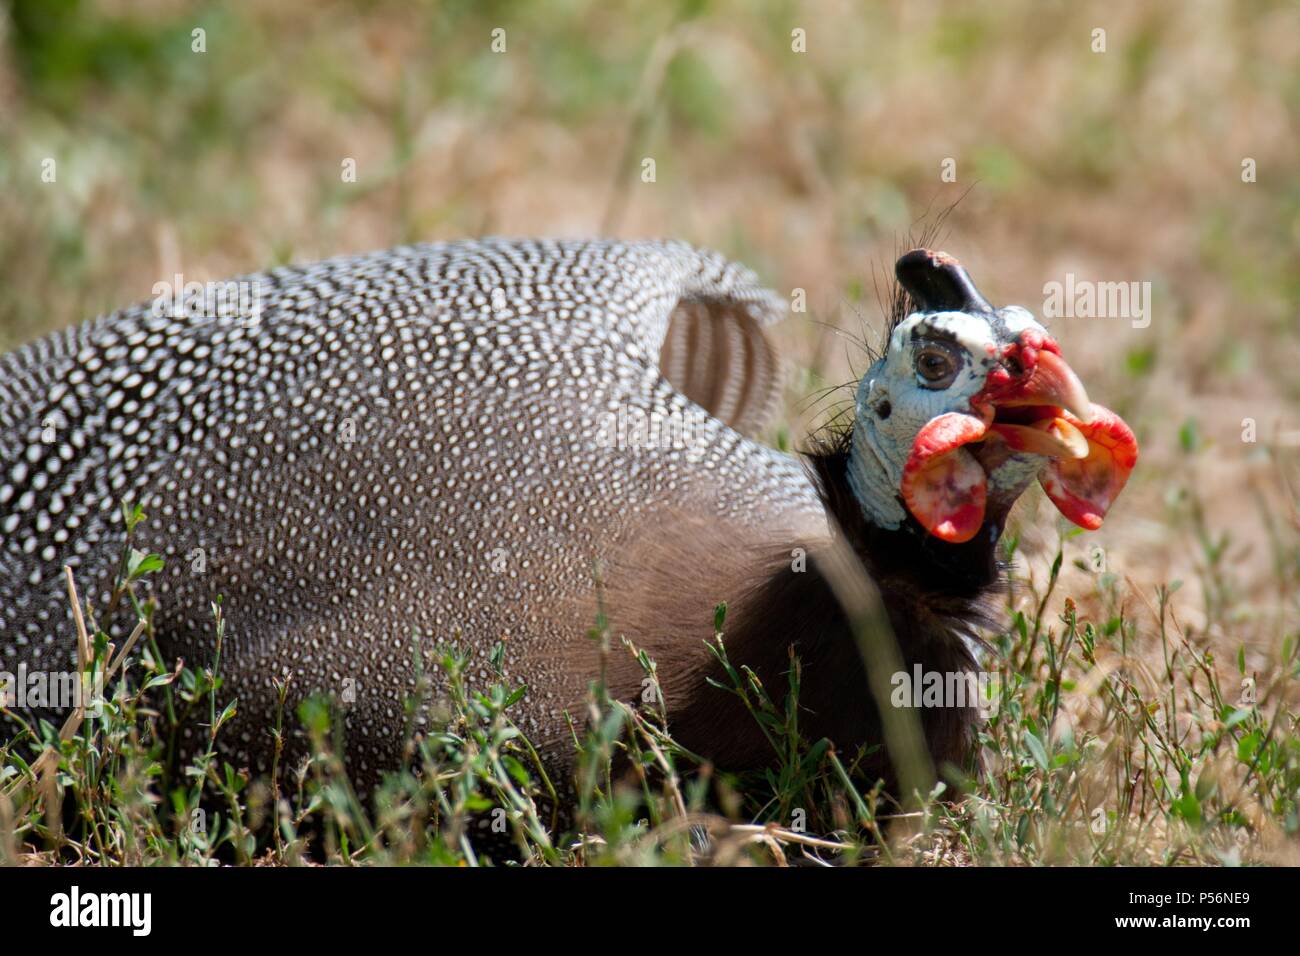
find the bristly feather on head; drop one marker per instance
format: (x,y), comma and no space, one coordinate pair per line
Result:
(833,435)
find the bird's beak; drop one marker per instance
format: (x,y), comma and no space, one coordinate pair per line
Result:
(1036,405)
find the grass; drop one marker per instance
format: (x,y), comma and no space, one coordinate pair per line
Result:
(1090,756)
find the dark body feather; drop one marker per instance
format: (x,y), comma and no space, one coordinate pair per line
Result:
(937,596)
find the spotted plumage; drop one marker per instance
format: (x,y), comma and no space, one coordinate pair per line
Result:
(434,443)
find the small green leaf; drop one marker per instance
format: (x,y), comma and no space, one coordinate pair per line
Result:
(138,564)
(1188,808)
(159,680)
(1248,745)
(226,714)
(1036,749)
(132,515)
(516,770)
(1236,717)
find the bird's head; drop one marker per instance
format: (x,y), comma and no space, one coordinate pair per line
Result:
(969,404)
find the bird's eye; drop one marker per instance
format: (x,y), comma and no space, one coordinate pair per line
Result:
(936,365)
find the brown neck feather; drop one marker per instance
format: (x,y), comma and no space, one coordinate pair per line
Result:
(933,592)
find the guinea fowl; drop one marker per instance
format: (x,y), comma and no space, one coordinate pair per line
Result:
(439,442)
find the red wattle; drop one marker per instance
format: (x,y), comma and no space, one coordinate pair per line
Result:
(943,485)
(1084,489)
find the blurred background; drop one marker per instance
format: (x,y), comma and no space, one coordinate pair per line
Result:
(210,139)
